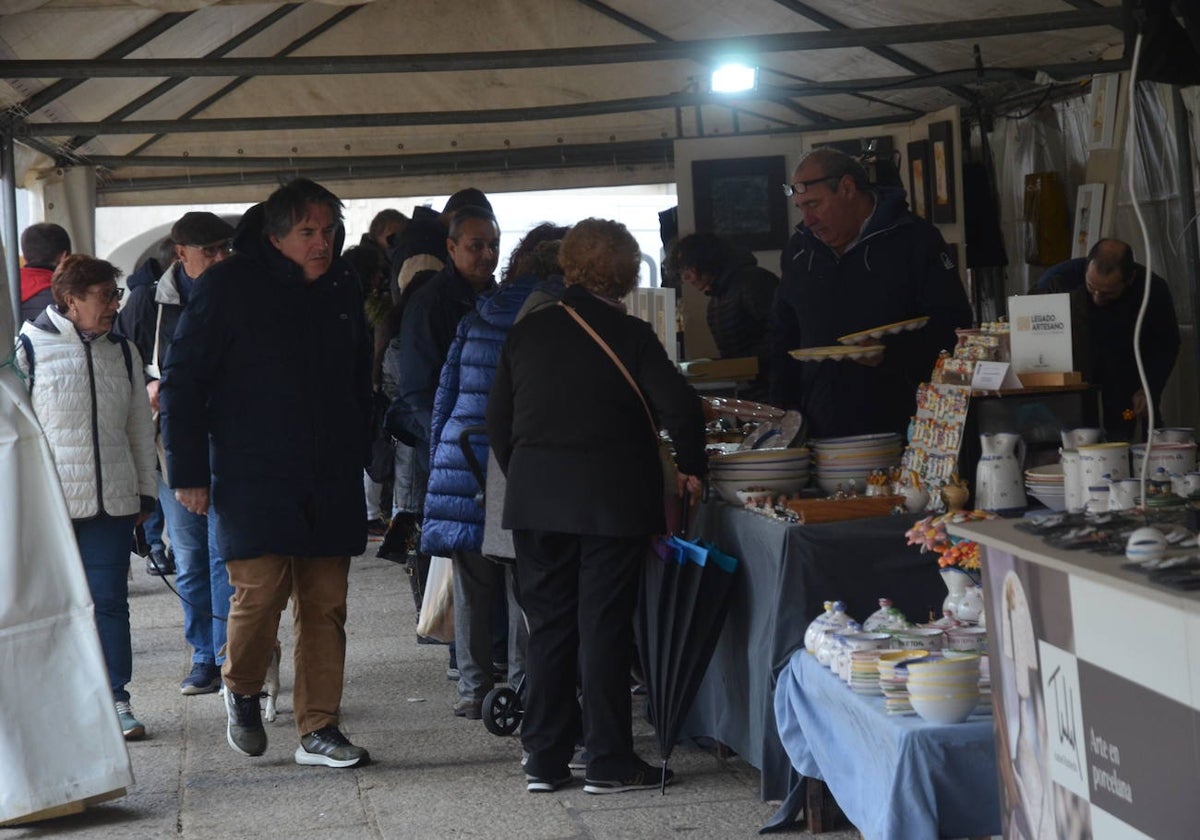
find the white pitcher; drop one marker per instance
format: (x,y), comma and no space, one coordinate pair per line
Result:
(998,478)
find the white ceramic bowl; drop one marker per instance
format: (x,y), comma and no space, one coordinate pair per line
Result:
(1054,501)
(949,708)
(729,489)
(762,456)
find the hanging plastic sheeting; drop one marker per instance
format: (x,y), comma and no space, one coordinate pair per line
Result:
(60,743)
(1158,180)
(1044,140)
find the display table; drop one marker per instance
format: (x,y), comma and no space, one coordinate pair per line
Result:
(1096,689)
(786,574)
(896,776)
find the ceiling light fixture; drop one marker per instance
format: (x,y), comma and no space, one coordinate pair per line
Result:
(733,77)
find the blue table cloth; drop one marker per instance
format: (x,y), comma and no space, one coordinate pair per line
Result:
(895,777)
(786,573)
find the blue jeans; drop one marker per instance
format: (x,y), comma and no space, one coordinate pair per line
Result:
(105,544)
(153,528)
(200,577)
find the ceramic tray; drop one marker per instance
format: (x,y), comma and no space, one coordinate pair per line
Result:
(836,352)
(877,333)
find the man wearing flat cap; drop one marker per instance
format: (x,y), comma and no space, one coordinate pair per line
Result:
(201,240)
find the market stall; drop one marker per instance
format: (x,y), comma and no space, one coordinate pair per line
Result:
(787,572)
(1096,684)
(893,776)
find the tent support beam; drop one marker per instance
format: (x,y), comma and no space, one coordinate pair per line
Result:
(138,39)
(700,50)
(161,89)
(780,94)
(8,171)
(887,53)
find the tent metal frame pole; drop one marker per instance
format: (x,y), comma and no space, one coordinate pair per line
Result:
(8,173)
(1183,142)
(699,50)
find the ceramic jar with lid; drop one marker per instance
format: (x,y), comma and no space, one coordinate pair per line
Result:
(887,618)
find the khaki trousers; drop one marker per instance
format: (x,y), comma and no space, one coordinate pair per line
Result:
(317,587)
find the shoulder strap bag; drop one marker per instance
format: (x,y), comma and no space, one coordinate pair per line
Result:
(670,473)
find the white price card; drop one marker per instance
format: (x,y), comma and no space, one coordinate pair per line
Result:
(994,376)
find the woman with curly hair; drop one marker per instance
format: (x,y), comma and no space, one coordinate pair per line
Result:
(584,496)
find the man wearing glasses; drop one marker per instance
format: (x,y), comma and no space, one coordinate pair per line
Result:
(859,259)
(201,240)
(1106,289)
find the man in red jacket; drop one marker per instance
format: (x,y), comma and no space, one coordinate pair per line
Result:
(43,247)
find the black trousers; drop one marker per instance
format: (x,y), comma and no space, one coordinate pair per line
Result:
(578,593)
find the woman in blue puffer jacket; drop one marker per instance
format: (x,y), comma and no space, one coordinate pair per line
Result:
(454,513)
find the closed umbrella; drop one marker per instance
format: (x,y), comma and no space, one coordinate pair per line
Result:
(685,597)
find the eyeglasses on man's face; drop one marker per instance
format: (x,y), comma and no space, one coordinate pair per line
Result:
(217,249)
(801,187)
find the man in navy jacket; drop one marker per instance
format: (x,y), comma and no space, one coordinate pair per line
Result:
(859,260)
(265,399)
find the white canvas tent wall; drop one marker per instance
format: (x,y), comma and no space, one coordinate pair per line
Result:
(61,745)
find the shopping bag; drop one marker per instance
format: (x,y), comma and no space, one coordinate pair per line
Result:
(437,607)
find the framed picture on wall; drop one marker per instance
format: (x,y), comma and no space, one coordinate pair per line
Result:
(941,155)
(918,178)
(742,199)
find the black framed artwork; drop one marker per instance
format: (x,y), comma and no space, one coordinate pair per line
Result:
(941,156)
(742,199)
(918,178)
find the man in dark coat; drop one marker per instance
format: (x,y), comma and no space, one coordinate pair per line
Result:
(266,399)
(740,294)
(1106,291)
(148,319)
(859,260)
(420,248)
(431,319)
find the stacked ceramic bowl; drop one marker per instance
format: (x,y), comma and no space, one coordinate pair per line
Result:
(1047,486)
(847,461)
(893,678)
(776,470)
(944,690)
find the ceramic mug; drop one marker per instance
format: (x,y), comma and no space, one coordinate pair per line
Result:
(1099,461)
(1074,493)
(1186,484)
(1175,434)
(1172,457)
(920,638)
(1097,499)
(1075,438)
(1124,493)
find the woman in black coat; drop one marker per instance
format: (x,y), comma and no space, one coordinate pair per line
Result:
(585,495)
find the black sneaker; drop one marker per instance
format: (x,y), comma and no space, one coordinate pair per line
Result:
(328,747)
(245,731)
(204,678)
(533,784)
(643,777)
(159,563)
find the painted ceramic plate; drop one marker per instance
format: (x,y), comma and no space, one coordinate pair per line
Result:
(876,333)
(836,352)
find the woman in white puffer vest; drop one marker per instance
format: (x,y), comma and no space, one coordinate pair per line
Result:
(88,392)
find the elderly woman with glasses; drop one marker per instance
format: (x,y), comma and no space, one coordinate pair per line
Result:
(88,392)
(576,433)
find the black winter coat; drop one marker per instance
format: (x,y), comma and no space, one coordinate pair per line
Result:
(570,433)
(900,268)
(266,395)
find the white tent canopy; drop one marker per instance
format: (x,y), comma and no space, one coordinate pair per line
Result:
(185,101)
